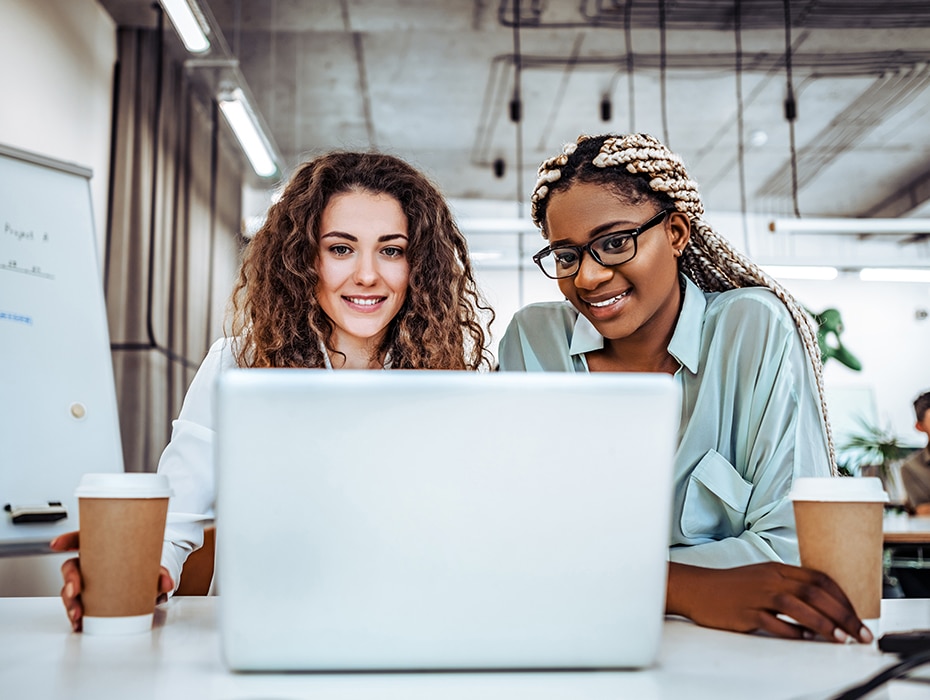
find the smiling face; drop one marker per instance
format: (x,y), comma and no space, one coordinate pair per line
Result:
(363,268)
(637,300)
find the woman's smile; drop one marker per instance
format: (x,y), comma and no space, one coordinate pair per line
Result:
(364,304)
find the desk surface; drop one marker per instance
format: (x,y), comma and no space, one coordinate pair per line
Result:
(906,529)
(41,658)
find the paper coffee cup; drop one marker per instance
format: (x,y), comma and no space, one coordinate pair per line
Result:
(839,525)
(122,519)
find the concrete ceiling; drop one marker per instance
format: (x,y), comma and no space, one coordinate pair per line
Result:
(433,80)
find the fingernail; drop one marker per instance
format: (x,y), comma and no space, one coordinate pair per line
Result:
(840,636)
(865,634)
(69,590)
(807,634)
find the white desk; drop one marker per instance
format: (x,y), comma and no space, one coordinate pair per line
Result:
(41,658)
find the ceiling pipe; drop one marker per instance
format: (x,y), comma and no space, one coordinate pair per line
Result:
(850,226)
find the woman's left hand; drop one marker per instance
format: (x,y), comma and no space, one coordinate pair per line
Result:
(760,596)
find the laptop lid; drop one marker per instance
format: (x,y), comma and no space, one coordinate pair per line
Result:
(409,520)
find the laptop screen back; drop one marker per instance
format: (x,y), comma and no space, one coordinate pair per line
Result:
(442,520)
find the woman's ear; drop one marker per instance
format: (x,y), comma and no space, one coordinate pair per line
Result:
(678,231)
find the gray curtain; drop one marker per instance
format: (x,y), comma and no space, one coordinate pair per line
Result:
(172,238)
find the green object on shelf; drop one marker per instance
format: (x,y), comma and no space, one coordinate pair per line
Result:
(829,328)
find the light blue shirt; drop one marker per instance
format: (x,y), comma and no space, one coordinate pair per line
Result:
(750,416)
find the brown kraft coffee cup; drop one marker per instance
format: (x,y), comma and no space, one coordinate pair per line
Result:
(122,525)
(839,524)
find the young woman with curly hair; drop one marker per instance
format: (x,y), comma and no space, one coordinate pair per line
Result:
(280,319)
(649,286)
(359,265)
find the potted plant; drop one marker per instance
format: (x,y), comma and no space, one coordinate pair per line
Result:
(876,451)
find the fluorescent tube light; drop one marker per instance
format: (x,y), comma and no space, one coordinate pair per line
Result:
(894,274)
(244,124)
(186,25)
(851,226)
(801,272)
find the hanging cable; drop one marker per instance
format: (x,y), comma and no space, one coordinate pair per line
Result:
(663,59)
(740,144)
(628,32)
(516,115)
(791,110)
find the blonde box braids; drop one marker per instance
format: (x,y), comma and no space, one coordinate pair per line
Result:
(711,262)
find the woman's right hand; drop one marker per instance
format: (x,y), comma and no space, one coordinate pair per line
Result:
(73,584)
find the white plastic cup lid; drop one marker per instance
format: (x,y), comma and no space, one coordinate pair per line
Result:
(855,489)
(124,485)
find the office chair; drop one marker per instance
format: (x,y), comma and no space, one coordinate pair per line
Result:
(198,569)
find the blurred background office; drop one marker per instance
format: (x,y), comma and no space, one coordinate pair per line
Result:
(804,121)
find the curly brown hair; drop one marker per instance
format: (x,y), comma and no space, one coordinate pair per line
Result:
(275,317)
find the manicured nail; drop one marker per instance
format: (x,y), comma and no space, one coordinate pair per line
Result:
(69,590)
(841,636)
(865,634)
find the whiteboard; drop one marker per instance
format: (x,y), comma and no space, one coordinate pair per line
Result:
(59,417)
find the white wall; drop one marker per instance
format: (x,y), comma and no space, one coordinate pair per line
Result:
(56,85)
(57,60)
(885,329)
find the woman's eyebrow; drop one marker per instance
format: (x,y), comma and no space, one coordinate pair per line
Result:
(339,234)
(354,239)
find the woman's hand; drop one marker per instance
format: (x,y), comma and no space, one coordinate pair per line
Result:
(71,573)
(752,598)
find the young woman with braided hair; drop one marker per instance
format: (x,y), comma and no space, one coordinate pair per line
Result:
(359,265)
(650,287)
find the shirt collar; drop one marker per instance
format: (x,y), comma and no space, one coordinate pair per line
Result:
(685,345)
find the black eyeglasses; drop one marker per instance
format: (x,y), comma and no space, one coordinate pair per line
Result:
(610,249)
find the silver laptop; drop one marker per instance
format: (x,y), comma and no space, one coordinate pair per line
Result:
(429,520)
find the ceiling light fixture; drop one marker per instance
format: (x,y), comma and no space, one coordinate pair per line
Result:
(801,272)
(244,123)
(850,226)
(894,274)
(186,23)
(758,138)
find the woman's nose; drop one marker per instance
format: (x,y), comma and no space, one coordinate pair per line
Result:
(590,272)
(366,271)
